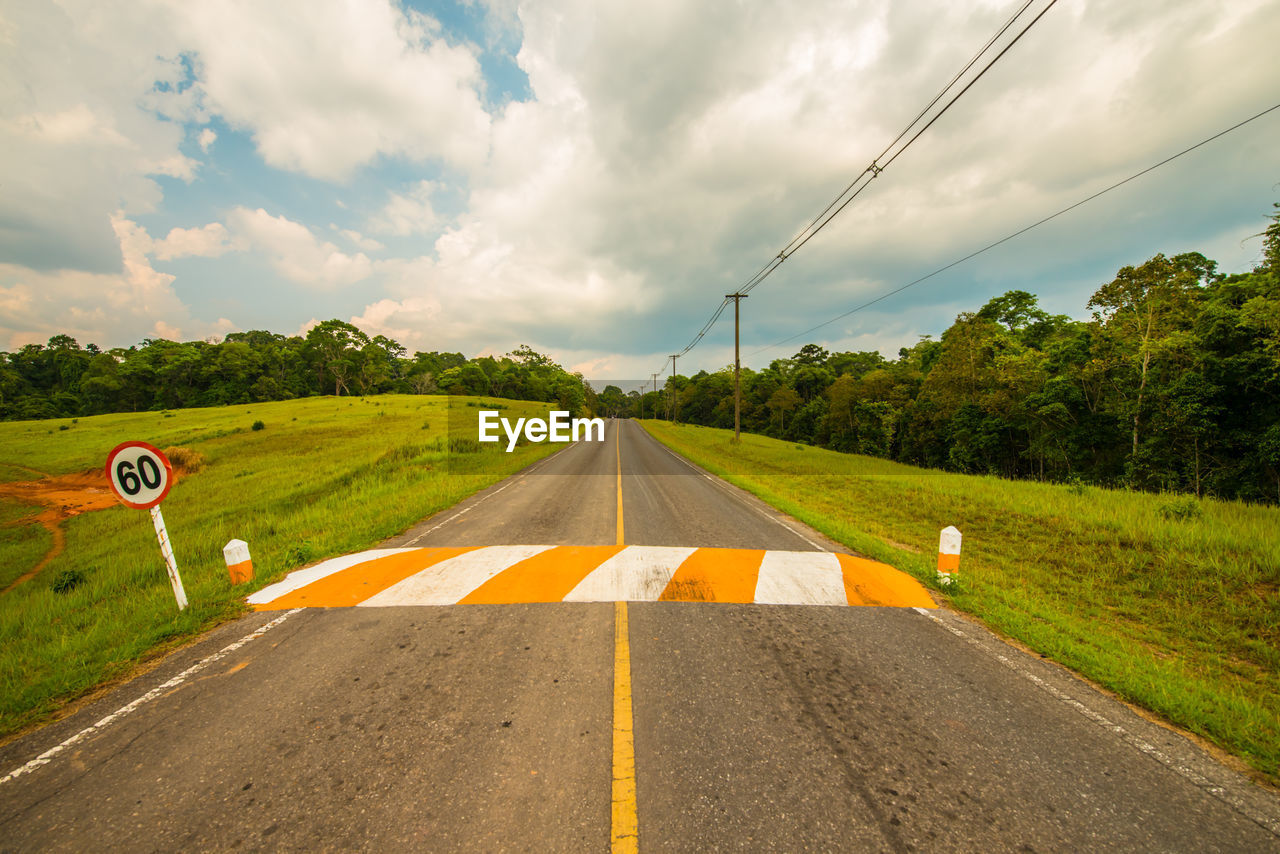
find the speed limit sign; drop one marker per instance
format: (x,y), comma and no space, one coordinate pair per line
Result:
(140,474)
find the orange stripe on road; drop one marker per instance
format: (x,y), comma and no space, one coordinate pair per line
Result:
(545,577)
(716,575)
(869,582)
(355,584)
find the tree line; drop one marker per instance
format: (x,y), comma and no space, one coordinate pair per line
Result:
(63,379)
(1173,384)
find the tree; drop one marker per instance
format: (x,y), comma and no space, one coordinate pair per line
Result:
(1143,311)
(334,346)
(1015,309)
(811,354)
(527,356)
(1271,244)
(781,402)
(611,400)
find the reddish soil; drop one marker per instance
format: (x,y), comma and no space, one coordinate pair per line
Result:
(59,498)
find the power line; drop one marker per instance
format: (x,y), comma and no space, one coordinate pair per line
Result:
(1019,232)
(864,178)
(706,327)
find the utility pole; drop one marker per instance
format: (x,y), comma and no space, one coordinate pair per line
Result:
(658,402)
(737,369)
(674,400)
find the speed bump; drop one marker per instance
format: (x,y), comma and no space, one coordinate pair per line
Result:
(511,574)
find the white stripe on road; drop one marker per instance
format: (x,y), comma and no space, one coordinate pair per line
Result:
(450,580)
(303,577)
(635,574)
(800,578)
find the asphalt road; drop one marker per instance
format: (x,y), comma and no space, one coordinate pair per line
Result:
(489,727)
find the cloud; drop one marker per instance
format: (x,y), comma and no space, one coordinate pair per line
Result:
(78,144)
(663,157)
(104,308)
(672,153)
(208,242)
(294,252)
(76,124)
(327,87)
(408,213)
(366,243)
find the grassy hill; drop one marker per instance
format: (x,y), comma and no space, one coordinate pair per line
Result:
(1171,602)
(320,477)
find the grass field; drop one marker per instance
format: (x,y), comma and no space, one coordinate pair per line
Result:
(323,476)
(1171,602)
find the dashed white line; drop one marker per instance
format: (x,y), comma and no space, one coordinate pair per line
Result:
(729,490)
(1192,776)
(462,512)
(46,757)
(478,502)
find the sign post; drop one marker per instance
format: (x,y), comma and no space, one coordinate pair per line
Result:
(140,475)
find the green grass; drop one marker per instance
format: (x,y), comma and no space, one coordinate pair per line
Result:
(22,541)
(1170,602)
(324,476)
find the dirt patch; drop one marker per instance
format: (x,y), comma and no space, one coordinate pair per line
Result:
(59,498)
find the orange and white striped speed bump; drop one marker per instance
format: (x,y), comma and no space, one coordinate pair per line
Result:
(510,574)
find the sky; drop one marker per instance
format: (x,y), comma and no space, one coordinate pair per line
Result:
(590,178)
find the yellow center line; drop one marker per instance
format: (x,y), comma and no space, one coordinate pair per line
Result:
(625,831)
(618,452)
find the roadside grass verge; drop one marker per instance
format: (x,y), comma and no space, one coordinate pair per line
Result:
(322,477)
(1172,603)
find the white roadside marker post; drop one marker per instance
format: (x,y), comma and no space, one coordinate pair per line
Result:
(170,562)
(140,475)
(239,564)
(948,555)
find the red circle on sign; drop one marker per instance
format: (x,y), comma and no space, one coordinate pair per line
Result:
(153,495)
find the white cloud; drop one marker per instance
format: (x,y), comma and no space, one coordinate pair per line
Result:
(671,153)
(667,153)
(294,252)
(76,124)
(408,213)
(79,144)
(209,241)
(109,309)
(326,87)
(368,244)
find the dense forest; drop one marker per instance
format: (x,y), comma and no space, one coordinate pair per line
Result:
(1173,384)
(63,379)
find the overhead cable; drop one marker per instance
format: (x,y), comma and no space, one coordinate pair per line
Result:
(864,179)
(1019,232)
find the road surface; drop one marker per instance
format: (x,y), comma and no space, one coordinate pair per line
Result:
(491,727)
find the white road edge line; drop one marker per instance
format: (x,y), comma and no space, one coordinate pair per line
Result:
(46,757)
(1192,776)
(465,510)
(725,486)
